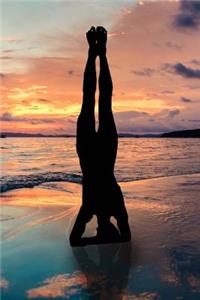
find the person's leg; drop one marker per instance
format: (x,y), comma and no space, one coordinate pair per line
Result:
(83,217)
(122,224)
(86,119)
(107,129)
(106,231)
(86,134)
(121,215)
(108,135)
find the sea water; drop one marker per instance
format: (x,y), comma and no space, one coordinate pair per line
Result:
(30,161)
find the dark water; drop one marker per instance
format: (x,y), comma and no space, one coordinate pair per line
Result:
(30,161)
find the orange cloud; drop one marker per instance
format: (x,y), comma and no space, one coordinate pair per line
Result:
(59,286)
(4,283)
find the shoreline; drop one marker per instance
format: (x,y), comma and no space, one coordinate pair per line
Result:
(4,188)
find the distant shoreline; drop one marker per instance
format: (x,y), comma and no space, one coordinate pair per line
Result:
(193,133)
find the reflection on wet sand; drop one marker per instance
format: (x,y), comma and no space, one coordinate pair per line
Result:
(107,272)
(4,283)
(61,285)
(162,263)
(39,220)
(64,194)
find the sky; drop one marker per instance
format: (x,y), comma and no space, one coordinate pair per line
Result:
(153,51)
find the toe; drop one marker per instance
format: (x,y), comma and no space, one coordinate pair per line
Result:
(101,28)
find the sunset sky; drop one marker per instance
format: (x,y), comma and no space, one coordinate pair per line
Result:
(153,51)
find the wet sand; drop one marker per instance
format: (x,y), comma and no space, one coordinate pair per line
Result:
(161,262)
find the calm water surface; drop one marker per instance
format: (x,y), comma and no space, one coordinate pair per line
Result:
(138,158)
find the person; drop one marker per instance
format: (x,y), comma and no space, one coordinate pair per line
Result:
(97,150)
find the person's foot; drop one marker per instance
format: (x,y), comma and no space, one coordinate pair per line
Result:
(101,36)
(91,38)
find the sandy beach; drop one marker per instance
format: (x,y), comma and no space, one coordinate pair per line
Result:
(161,262)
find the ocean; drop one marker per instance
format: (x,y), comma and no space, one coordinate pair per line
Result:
(26,162)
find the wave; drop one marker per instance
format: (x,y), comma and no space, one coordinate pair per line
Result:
(8,183)
(27,181)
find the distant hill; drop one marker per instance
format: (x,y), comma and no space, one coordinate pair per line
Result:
(19,134)
(121,135)
(194,133)
(132,135)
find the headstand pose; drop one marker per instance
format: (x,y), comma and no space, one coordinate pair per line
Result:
(97,151)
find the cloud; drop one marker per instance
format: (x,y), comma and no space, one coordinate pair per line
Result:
(43,100)
(38,123)
(11,39)
(4,283)
(186,72)
(72,120)
(70,72)
(167,92)
(8,51)
(62,285)
(6,57)
(188,16)
(144,72)
(184,20)
(21,94)
(8,117)
(186,100)
(173,113)
(192,87)
(131,114)
(194,120)
(195,61)
(142,122)
(173,46)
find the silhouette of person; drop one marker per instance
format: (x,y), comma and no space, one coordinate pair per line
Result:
(106,272)
(97,150)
